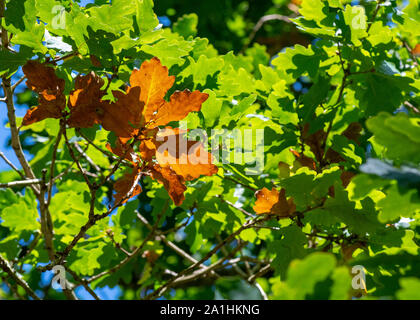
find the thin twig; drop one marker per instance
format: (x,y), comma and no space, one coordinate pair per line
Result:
(54,157)
(237,208)
(46,221)
(110,234)
(92,220)
(5,265)
(180,279)
(238,182)
(260,23)
(248,224)
(83,283)
(408,104)
(139,249)
(378,6)
(76,160)
(17,83)
(72,54)
(3,156)
(226,253)
(89,141)
(168,243)
(16,145)
(22,183)
(261,290)
(260,273)
(88,159)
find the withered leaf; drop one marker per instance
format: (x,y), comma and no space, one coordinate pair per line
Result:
(86,106)
(124,117)
(154,81)
(345,177)
(274,202)
(123,150)
(352,132)
(172,182)
(180,105)
(303,160)
(43,80)
(147,149)
(127,186)
(187,158)
(315,141)
(142,107)
(416,50)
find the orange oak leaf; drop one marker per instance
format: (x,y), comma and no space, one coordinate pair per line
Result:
(187,158)
(142,107)
(197,162)
(172,182)
(180,105)
(44,81)
(416,50)
(147,149)
(127,186)
(274,202)
(154,81)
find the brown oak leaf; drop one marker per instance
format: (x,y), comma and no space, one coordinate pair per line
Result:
(352,132)
(43,80)
(123,150)
(303,160)
(138,113)
(123,117)
(127,183)
(315,141)
(86,106)
(172,182)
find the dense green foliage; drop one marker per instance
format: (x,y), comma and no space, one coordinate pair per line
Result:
(343,96)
